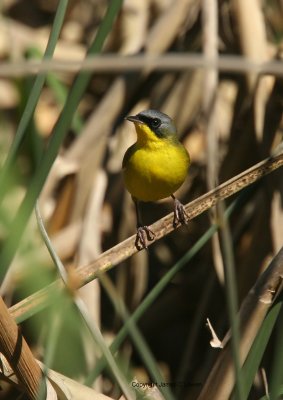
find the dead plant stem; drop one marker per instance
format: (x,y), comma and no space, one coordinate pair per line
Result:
(161,228)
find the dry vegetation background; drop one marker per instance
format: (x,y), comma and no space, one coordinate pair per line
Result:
(228,121)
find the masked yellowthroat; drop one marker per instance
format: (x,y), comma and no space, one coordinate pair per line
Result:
(155,166)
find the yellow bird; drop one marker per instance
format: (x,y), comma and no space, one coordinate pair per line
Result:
(155,166)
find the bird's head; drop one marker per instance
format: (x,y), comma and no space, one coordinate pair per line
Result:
(153,125)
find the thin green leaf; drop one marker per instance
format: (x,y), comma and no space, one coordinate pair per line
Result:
(276,372)
(59,132)
(80,305)
(33,97)
(232,298)
(155,292)
(252,363)
(136,336)
(59,89)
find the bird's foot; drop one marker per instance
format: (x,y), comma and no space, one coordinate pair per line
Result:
(180,215)
(144,235)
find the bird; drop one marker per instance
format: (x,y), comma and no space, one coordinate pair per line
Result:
(154,167)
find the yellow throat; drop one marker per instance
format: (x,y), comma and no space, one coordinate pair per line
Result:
(157,164)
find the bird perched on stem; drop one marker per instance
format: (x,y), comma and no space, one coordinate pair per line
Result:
(155,167)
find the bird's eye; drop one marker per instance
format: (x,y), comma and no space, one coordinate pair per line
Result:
(155,123)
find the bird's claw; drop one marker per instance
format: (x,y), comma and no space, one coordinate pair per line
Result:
(144,235)
(180,215)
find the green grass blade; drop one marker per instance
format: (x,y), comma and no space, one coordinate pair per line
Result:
(41,299)
(232,298)
(50,349)
(59,89)
(59,132)
(136,336)
(61,94)
(159,287)
(276,372)
(254,358)
(80,305)
(34,96)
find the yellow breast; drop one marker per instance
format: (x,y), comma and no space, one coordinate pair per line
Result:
(155,170)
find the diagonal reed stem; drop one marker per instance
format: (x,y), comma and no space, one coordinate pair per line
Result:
(126,249)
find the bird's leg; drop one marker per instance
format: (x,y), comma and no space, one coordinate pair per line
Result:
(144,234)
(180,215)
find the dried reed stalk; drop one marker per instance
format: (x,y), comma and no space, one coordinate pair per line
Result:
(260,298)
(18,354)
(126,249)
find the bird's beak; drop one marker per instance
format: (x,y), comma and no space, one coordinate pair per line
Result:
(134,119)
